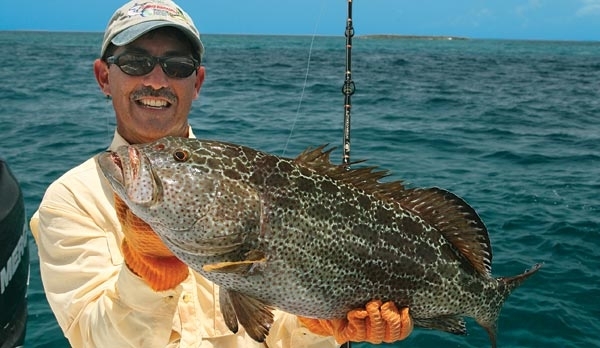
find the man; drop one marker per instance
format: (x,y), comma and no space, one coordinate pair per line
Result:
(111,284)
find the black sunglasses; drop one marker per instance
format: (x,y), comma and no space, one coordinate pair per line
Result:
(136,64)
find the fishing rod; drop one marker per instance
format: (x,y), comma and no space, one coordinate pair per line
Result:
(348,89)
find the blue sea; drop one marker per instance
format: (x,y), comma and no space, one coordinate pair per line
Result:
(513,127)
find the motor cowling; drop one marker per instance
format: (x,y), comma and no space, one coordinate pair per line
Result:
(14,261)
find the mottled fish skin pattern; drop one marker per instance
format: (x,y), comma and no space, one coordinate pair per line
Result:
(309,237)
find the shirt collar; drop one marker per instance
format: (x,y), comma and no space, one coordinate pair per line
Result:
(118,140)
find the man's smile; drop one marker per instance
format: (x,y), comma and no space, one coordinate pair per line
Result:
(153,102)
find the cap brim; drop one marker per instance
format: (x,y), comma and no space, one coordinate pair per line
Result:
(132,33)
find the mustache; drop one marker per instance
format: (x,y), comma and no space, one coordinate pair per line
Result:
(165,93)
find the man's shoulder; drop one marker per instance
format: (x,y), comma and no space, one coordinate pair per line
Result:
(84,177)
(84,170)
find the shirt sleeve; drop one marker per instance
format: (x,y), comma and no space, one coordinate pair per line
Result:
(97,301)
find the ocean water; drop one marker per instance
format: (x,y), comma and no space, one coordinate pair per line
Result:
(513,127)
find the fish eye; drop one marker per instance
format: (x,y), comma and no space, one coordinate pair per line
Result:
(181,155)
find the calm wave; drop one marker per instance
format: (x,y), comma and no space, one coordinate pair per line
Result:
(510,126)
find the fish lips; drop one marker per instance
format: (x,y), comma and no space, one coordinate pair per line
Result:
(130,175)
(110,165)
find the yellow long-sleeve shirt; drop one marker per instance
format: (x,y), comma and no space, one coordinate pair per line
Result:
(99,302)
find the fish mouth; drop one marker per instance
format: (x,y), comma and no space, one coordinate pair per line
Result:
(130,175)
(112,167)
(117,161)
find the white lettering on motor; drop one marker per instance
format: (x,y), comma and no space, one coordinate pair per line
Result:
(12,264)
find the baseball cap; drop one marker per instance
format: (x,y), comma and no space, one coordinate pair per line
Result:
(136,18)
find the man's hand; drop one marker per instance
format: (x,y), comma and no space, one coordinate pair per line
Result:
(376,323)
(145,254)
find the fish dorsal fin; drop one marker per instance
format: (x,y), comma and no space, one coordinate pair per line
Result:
(364,178)
(451,215)
(254,315)
(456,220)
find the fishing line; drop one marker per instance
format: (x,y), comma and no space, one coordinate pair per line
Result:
(312,41)
(348,89)
(109,134)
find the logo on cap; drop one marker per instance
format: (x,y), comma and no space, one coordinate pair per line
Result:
(156,10)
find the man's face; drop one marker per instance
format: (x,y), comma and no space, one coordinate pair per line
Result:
(153,105)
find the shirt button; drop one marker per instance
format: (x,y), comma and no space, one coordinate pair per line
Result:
(186,298)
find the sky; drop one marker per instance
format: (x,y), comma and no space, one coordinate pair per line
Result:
(488,19)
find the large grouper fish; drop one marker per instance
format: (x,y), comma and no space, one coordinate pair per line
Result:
(310,237)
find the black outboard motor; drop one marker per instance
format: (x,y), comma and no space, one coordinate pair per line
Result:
(14,261)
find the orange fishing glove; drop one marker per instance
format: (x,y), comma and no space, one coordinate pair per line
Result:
(376,323)
(145,254)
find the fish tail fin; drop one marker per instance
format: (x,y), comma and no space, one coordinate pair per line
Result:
(506,286)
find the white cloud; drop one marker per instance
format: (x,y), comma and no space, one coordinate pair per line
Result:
(589,8)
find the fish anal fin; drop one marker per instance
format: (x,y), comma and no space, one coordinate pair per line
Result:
(254,315)
(448,323)
(228,311)
(456,220)
(254,260)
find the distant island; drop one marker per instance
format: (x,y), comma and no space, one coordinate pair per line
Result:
(411,37)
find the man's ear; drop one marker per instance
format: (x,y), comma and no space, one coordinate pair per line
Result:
(200,74)
(101,73)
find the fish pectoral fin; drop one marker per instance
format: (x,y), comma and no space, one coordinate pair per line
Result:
(449,323)
(254,259)
(238,267)
(253,314)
